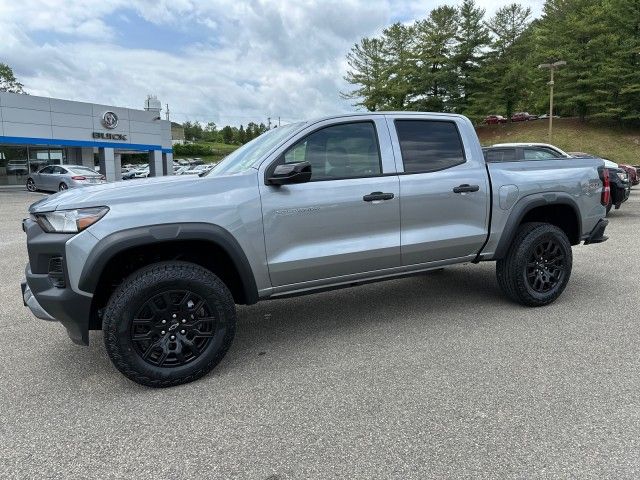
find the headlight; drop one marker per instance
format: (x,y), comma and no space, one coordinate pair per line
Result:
(622,176)
(70,221)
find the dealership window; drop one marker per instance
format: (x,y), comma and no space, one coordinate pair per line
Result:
(16,162)
(429,145)
(42,156)
(13,165)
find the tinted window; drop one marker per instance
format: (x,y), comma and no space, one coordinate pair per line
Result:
(340,151)
(59,170)
(540,153)
(500,155)
(47,170)
(429,145)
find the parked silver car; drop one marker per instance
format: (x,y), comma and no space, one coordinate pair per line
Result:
(54,178)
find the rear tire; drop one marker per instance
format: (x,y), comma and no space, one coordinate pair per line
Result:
(62,187)
(169,323)
(537,266)
(609,205)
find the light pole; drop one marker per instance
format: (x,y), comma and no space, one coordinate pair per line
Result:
(552,67)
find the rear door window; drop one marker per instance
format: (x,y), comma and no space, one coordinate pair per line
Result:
(429,145)
(500,155)
(540,153)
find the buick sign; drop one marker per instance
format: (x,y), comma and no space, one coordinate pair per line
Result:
(110,120)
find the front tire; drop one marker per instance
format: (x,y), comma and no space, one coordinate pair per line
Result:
(31,185)
(169,323)
(537,266)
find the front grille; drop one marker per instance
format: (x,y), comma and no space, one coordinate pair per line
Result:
(56,272)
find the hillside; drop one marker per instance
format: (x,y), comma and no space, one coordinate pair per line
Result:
(614,143)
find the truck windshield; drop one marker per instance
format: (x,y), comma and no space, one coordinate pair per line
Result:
(245,156)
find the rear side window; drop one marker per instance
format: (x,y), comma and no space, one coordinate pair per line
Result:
(500,155)
(429,145)
(540,153)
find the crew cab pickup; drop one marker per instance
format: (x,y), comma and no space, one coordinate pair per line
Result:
(159,264)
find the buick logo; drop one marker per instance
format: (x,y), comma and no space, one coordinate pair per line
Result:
(110,120)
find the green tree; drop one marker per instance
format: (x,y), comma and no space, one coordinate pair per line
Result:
(434,81)
(503,81)
(472,39)
(241,136)
(8,81)
(227,134)
(399,65)
(192,130)
(367,73)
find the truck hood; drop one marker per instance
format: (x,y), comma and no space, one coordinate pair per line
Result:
(117,192)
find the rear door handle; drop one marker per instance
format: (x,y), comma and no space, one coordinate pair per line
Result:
(373,196)
(465,187)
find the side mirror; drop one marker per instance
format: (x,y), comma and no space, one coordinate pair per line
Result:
(290,173)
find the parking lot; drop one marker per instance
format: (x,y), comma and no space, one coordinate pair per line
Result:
(435,376)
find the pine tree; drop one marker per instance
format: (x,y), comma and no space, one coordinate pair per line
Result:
(472,39)
(398,65)
(366,69)
(434,79)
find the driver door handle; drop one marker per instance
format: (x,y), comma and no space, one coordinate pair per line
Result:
(373,196)
(465,187)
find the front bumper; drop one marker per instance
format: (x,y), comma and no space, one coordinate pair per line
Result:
(51,303)
(30,301)
(46,299)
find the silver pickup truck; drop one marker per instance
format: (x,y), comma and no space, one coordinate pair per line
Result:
(159,264)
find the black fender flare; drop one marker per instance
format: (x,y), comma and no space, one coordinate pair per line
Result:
(524,206)
(117,242)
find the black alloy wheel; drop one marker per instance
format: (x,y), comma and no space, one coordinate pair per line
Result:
(169,323)
(545,268)
(173,328)
(537,266)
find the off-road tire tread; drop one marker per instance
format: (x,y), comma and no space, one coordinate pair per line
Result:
(144,278)
(509,275)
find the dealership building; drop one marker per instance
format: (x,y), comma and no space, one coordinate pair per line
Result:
(40,131)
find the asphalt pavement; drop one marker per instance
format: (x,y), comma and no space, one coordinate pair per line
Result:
(434,376)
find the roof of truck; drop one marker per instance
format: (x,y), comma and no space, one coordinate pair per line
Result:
(367,114)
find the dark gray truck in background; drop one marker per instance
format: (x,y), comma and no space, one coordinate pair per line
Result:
(159,264)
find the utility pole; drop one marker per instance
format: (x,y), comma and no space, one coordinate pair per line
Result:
(268,123)
(167,113)
(278,121)
(552,67)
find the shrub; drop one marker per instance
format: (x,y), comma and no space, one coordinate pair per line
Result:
(193,149)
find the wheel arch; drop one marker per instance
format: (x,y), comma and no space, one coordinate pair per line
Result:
(119,254)
(556,209)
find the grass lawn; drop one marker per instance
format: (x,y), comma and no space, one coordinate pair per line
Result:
(221,150)
(616,144)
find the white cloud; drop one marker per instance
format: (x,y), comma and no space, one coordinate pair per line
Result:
(252,59)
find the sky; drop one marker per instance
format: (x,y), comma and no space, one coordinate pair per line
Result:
(226,61)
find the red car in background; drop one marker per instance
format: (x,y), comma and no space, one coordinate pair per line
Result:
(494,119)
(523,117)
(632,172)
